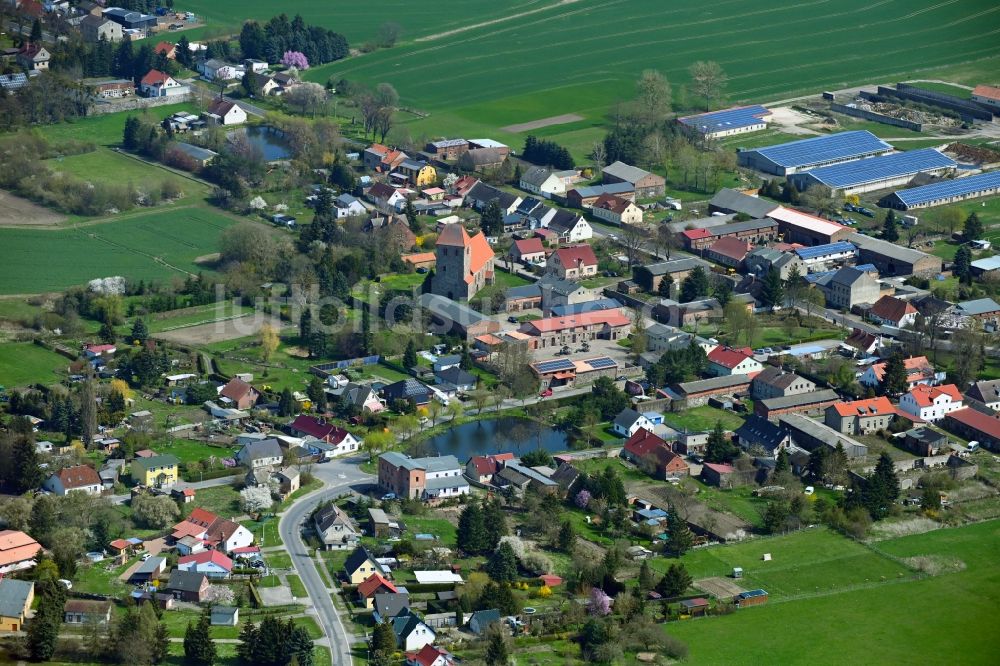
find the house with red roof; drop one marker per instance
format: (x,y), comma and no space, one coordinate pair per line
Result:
(159,84)
(918,371)
(17,551)
(528,251)
(482,468)
(78,478)
(861,417)
(931,403)
(212,563)
(728,251)
(319,428)
(93,351)
(653,455)
(374,584)
(166,49)
(214,531)
(573,262)
(430,655)
(616,210)
(33,57)
(611,324)
(718,474)
(974,426)
(696,239)
(239,394)
(724,361)
(893,311)
(465,263)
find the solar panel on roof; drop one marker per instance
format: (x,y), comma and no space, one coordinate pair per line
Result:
(556,365)
(881,168)
(820,250)
(949,188)
(603,362)
(816,150)
(726,119)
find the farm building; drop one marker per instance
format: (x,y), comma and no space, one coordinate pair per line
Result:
(785,159)
(728,201)
(944,192)
(727,122)
(751,598)
(799,227)
(813,401)
(894,260)
(988,96)
(829,252)
(974,425)
(584,197)
(646,184)
(753,231)
(877,173)
(810,435)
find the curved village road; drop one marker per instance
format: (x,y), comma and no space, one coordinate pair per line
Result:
(290,527)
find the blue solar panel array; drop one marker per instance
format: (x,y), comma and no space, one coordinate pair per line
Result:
(556,365)
(879,168)
(829,248)
(813,278)
(949,188)
(719,121)
(816,150)
(602,362)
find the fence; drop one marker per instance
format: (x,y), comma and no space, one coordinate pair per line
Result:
(324,370)
(876,117)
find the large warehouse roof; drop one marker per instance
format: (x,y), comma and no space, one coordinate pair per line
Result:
(948,188)
(874,169)
(727,119)
(804,220)
(823,149)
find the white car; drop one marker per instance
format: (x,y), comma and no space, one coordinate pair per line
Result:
(809,490)
(65,583)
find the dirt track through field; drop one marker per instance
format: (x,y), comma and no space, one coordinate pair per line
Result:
(18,212)
(543,122)
(449,33)
(217,331)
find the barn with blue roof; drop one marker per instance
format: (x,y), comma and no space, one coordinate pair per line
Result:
(727,122)
(877,173)
(944,192)
(785,159)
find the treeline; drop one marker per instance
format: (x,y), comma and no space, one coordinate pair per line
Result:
(546,153)
(270,41)
(124,60)
(48,98)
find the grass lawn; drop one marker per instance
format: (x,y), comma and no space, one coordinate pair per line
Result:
(177,621)
(402,281)
(120,168)
(106,129)
(298,589)
(439,527)
(598,465)
(278,560)
(310,625)
(189,450)
(702,418)
(304,489)
(507,280)
(23,363)
(147,245)
(222,500)
(889,622)
(200,314)
(18,310)
(738,501)
(101,578)
(321,656)
(265,532)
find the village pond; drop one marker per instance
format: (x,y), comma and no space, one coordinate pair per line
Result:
(270,140)
(500,435)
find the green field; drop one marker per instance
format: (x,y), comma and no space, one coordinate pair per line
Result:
(106,129)
(202,314)
(116,167)
(154,245)
(944,619)
(702,418)
(23,363)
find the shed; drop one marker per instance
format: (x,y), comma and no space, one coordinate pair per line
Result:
(225,616)
(694,607)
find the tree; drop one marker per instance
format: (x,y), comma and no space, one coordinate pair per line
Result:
(199,649)
(782,464)
(675,581)
(973,229)
(494,522)
(268,341)
(383,643)
(567,537)
(107,334)
(497,646)
(949,218)
(306,98)
(256,499)
(665,288)
(968,345)
(772,292)
(25,473)
(88,411)
(43,630)
(305,325)
(708,81)
(890,228)
(139,331)
(694,286)
(653,94)
(679,536)
(286,403)
(295,59)
(719,449)
(646,582)
(881,489)
(963,265)
(894,376)
(410,355)
(411,217)
(502,564)
(930,499)
(492,219)
(388,34)
(471,536)
(739,321)
(154,511)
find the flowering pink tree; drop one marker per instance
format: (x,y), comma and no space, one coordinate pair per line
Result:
(600,603)
(295,59)
(582,499)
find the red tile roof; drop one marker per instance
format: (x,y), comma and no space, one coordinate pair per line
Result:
(728,357)
(221,107)
(720,468)
(236,389)
(373,584)
(610,202)
(644,444)
(319,429)
(455,235)
(613,318)
(989,92)
(202,517)
(154,78)
(428,655)
(924,396)
(489,464)
(696,234)
(78,476)
(16,547)
(892,309)
(869,407)
(529,246)
(916,366)
(214,556)
(988,425)
(576,255)
(166,48)
(730,247)
(551,580)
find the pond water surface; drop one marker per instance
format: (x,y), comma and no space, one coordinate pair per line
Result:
(519,436)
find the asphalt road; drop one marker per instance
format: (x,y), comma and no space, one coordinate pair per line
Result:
(339,476)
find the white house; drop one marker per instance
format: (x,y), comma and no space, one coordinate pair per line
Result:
(335,528)
(78,478)
(339,438)
(214,69)
(158,84)
(347,206)
(931,403)
(919,371)
(616,210)
(541,181)
(224,112)
(629,421)
(212,563)
(412,633)
(571,227)
(263,453)
(725,361)
(893,312)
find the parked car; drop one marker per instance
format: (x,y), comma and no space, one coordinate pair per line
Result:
(546,393)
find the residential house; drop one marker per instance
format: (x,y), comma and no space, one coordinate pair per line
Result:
(986,392)
(931,403)
(410,390)
(390,604)
(360,565)
(33,57)
(149,570)
(653,455)
(629,421)
(412,633)
(814,401)
(335,528)
(224,112)
(157,84)
(166,49)
(380,158)
(16,597)
(347,206)
(723,361)
(481,469)
(616,210)
(545,183)
(362,397)
(391,229)
(419,174)
(266,84)
(528,251)
(810,434)
(155,471)
(455,380)
(728,251)
(578,328)
(214,531)
(78,478)
(95,28)
(342,441)
(573,263)
(760,436)
(849,287)
(374,584)
(570,227)
(761,260)
(389,199)
(893,312)
(262,453)
(974,426)
(918,371)
(479,195)
(239,394)
(287,480)
(646,184)
(482,619)
(85,611)
(862,343)
(214,69)
(718,474)
(421,478)
(213,563)
(224,616)
(187,585)
(585,197)
(447,149)
(465,263)
(772,382)
(650,276)
(985,311)
(861,417)
(430,655)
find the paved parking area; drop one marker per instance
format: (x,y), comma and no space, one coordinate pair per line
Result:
(276,596)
